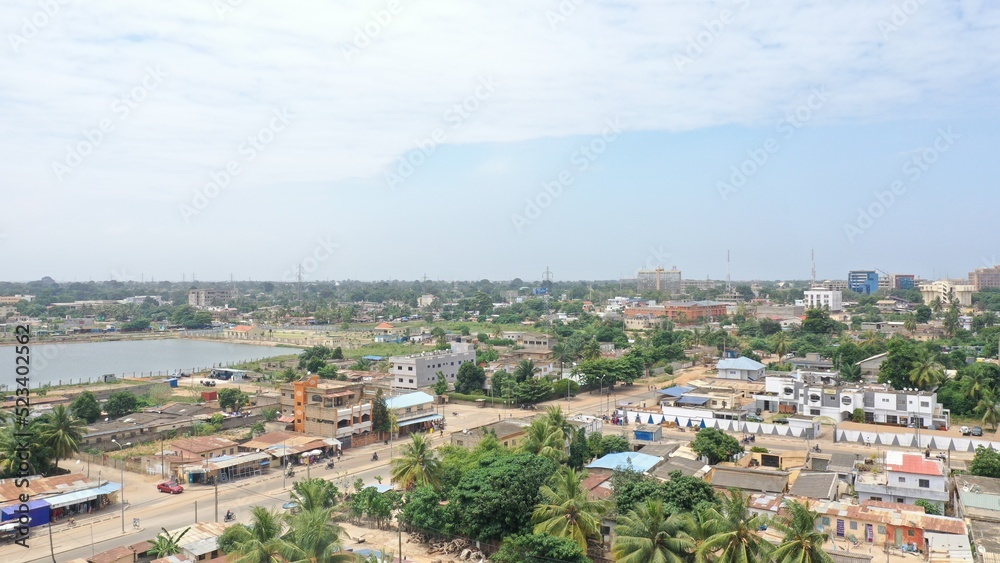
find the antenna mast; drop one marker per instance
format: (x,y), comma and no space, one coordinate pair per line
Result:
(814,266)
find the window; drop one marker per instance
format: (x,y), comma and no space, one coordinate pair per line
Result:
(925,404)
(409,368)
(911,532)
(400,368)
(814,412)
(902,479)
(411,381)
(826,521)
(400,379)
(901,500)
(854,525)
(881,530)
(925,483)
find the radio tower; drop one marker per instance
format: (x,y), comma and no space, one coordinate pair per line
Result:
(729,282)
(814,266)
(299,280)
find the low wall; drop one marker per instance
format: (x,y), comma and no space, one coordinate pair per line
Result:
(910,440)
(736,426)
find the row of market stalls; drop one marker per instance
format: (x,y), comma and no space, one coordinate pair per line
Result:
(258,455)
(56,498)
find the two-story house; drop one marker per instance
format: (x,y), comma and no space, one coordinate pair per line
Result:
(907,478)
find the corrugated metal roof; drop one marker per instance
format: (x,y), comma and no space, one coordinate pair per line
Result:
(980,500)
(409,400)
(639,461)
(740,363)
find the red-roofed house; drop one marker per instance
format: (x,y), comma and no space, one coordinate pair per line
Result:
(908,477)
(244,332)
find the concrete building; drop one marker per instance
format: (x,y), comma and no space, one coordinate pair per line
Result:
(327,409)
(414,411)
(203,447)
(659,280)
(532,340)
(201,298)
(820,298)
(680,312)
(885,523)
(420,370)
(864,282)
(840,285)
(983,278)
(776,312)
(510,433)
(243,332)
(902,281)
(880,403)
(425,300)
(945,289)
(907,478)
(740,368)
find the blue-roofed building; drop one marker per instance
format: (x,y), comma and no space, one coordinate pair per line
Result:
(414,411)
(741,368)
(693,401)
(675,391)
(639,461)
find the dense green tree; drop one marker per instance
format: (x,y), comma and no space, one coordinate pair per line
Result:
(929,507)
(539,548)
(381,422)
(470,379)
(986,463)
(716,445)
(578,456)
(85,407)
(631,487)
(683,493)
(423,511)
(818,321)
(120,404)
(441,385)
(525,369)
(923,314)
(327,371)
(232,399)
(612,444)
(899,363)
(533,391)
(496,499)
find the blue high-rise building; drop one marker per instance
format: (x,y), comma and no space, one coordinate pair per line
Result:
(863,281)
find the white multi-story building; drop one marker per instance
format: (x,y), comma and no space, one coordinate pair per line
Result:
(420,370)
(425,300)
(740,368)
(908,477)
(200,298)
(822,298)
(881,404)
(945,289)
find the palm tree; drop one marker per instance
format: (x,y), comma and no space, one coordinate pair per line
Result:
(851,372)
(592,349)
(311,494)
(991,408)
(701,528)
(556,418)
(11,454)
(910,324)
(802,543)
(975,383)
(167,544)
(418,466)
(62,433)
(926,372)
(565,510)
(259,542)
(525,370)
(871,338)
(780,345)
(648,533)
(541,439)
(736,539)
(313,537)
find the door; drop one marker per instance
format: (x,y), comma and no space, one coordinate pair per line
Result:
(840,528)
(899,536)
(869,533)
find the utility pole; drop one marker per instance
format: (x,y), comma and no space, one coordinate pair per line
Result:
(216,498)
(52,549)
(163,468)
(195,512)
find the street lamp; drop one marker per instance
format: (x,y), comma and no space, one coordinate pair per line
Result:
(603,410)
(121,448)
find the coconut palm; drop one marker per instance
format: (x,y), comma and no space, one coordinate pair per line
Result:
(701,527)
(650,534)
(541,439)
(313,537)
(525,370)
(258,542)
(166,543)
(975,382)
(802,543)
(556,418)
(310,494)
(990,407)
(61,432)
(565,510)
(926,372)
(780,344)
(910,324)
(11,462)
(418,466)
(736,539)
(591,349)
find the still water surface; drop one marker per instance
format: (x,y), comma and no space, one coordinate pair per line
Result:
(51,363)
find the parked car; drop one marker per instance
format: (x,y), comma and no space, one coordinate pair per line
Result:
(172,488)
(977,431)
(965,430)
(754,418)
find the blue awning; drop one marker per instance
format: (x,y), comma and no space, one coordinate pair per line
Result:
(419,420)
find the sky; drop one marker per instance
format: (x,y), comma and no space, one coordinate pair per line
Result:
(394,139)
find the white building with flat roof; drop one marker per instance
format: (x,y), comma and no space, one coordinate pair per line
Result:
(420,370)
(822,298)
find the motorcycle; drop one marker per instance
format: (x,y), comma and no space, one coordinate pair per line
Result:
(329,464)
(229,517)
(375,456)
(290,472)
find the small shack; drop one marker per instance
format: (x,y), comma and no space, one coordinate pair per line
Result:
(648,433)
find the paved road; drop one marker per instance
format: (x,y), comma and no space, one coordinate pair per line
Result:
(103,531)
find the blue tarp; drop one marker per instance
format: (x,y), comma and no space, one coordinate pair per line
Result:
(38,510)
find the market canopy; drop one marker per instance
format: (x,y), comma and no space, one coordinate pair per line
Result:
(421,419)
(76,497)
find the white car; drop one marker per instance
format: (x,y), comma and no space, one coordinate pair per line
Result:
(965,430)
